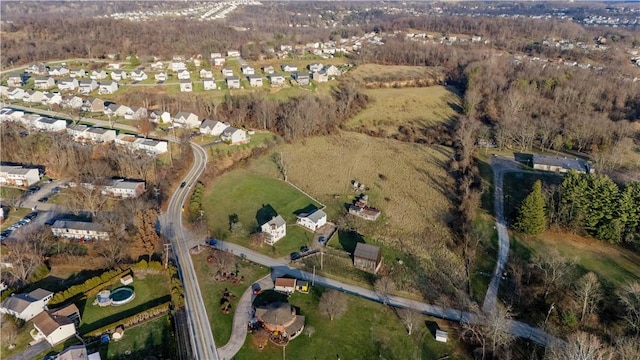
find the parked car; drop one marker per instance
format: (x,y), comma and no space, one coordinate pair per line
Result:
(304,248)
(213,242)
(322,240)
(256,289)
(295,256)
(43,199)
(32,215)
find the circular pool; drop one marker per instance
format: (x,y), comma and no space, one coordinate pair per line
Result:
(122,295)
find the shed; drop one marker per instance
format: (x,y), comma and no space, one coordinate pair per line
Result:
(367,257)
(118,333)
(285,285)
(441,336)
(302,286)
(126,280)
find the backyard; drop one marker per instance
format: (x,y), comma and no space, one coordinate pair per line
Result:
(154,338)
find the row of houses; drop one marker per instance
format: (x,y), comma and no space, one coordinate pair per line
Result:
(19,176)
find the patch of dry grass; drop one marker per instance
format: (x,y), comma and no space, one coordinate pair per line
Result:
(390,108)
(374,72)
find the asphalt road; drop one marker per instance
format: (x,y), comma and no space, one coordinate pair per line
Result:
(32,351)
(202,342)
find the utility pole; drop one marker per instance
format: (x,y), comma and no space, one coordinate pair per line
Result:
(167,246)
(321,259)
(313,279)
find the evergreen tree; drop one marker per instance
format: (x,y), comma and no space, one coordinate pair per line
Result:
(532,219)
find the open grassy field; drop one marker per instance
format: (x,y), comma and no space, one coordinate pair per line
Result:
(369,73)
(368,330)
(420,108)
(212,292)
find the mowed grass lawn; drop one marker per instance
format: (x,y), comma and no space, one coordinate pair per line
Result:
(420,107)
(221,323)
(368,330)
(150,291)
(254,199)
(154,338)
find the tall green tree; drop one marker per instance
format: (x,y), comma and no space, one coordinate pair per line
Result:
(532,219)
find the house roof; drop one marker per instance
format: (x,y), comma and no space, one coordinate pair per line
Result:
(17,302)
(316,215)
(78,127)
(230,130)
(185,81)
(296,325)
(48,323)
(184,114)
(40,294)
(125,184)
(98,130)
(566,163)
(277,221)
(75,352)
(366,251)
(233,78)
(254,77)
(277,313)
(285,282)
(67,311)
(87,82)
(208,123)
(77,225)
(208,79)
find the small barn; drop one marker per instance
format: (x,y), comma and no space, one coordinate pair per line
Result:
(367,257)
(441,336)
(285,285)
(126,280)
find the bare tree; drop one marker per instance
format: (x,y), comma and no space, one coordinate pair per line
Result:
(333,304)
(309,330)
(25,257)
(278,158)
(580,346)
(630,298)
(628,349)
(113,251)
(410,318)
(554,267)
(145,126)
(588,293)
(146,236)
(490,331)
(383,287)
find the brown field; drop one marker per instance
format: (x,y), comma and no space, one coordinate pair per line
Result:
(369,73)
(419,108)
(406,182)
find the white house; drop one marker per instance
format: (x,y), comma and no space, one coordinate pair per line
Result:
(234,136)
(68,84)
(209,84)
(117,110)
(186,86)
(248,70)
(312,221)
(52,328)
(184,75)
(177,66)
(124,188)
(255,80)
(98,75)
(276,79)
(233,82)
(212,127)
(26,306)
(16,175)
(161,76)
(226,72)
(15,94)
(118,75)
(320,76)
(87,86)
(38,69)
(15,79)
(160,117)
(219,61)
(187,119)
(289,68)
(44,83)
(268,69)
(33,96)
(233,53)
(98,134)
(72,102)
(332,70)
(59,71)
(135,113)
(92,104)
(276,229)
(77,352)
(315,67)
(48,124)
(77,131)
(79,230)
(108,87)
(151,146)
(77,73)
(302,78)
(138,75)
(52,98)
(158,65)
(206,73)
(215,55)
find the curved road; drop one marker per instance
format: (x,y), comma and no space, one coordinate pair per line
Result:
(202,342)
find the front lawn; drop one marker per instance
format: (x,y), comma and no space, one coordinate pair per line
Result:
(212,290)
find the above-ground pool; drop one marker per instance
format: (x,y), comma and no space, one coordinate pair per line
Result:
(122,295)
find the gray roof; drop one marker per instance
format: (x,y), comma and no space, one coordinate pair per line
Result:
(75,352)
(566,163)
(316,215)
(150,142)
(184,81)
(77,225)
(19,302)
(233,78)
(108,83)
(209,124)
(87,82)
(254,76)
(366,251)
(78,127)
(40,294)
(277,221)
(47,120)
(98,130)
(17,170)
(125,184)
(183,114)
(229,130)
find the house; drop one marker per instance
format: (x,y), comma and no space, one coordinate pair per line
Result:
(118,75)
(98,134)
(160,117)
(48,124)
(52,328)
(362,210)
(79,230)
(15,93)
(87,86)
(158,65)
(206,73)
(98,75)
(315,67)
(302,286)
(44,83)
(255,80)
(77,131)
(285,285)
(332,70)
(184,75)
(233,82)
(161,76)
(219,61)
(187,119)
(15,175)
(226,72)
(302,78)
(135,113)
(268,69)
(233,53)
(59,71)
(247,70)
(3,91)
(215,55)
(38,69)
(113,66)
(71,311)
(177,66)
(117,110)
(151,146)
(33,96)
(52,98)
(312,221)
(212,127)
(276,229)
(72,102)
(124,188)
(367,257)
(441,336)
(186,86)
(276,80)
(26,306)
(289,68)
(281,317)
(77,352)
(92,104)
(320,76)
(68,84)
(560,164)
(138,75)
(77,73)
(234,136)
(209,84)
(108,87)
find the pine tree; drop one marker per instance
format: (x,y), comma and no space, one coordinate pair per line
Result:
(532,218)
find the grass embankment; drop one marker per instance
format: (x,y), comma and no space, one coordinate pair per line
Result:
(368,330)
(212,290)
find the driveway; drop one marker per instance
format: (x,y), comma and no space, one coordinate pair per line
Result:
(32,351)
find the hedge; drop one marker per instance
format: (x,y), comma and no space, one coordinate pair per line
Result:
(130,321)
(92,283)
